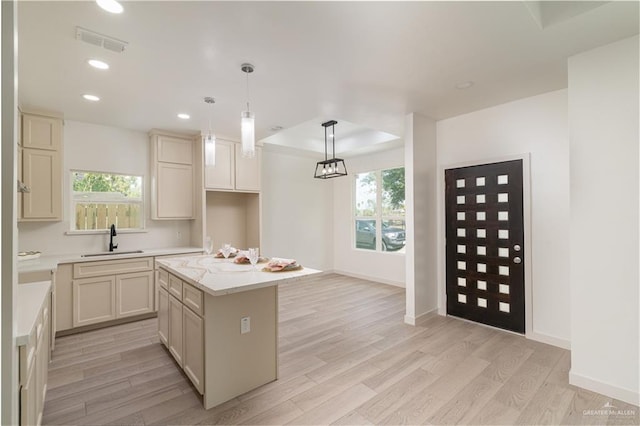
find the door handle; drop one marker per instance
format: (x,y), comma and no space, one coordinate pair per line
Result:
(517,260)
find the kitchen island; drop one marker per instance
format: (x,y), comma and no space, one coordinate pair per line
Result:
(219,320)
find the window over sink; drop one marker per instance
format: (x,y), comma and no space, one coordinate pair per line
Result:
(379,210)
(101,199)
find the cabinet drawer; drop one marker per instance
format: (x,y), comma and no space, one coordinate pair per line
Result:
(175,287)
(112,267)
(193,298)
(163,278)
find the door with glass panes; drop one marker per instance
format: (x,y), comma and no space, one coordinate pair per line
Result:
(485,244)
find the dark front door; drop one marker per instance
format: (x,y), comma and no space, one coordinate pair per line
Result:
(485,244)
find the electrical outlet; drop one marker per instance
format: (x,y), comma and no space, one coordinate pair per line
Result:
(178,235)
(245,325)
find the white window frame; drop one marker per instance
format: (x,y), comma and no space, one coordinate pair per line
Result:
(378,217)
(106,200)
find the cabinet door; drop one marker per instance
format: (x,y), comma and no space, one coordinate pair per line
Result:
(134,293)
(42,175)
(41,132)
(222,174)
(163,316)
(193,335)
(94,300)
(174,191)
(174,150)
(175,329)
(248,170)
(41,370)
(28,397)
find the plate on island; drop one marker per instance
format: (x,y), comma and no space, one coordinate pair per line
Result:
(291,267)
(219,255)
(243,260)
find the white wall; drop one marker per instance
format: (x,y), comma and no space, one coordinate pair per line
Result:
(296,209)
(536,125)
(603,124)
(420,178)
(108,149)
(386,267)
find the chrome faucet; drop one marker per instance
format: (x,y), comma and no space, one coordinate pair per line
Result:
(113,234)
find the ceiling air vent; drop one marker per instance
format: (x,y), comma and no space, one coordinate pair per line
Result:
(97,39)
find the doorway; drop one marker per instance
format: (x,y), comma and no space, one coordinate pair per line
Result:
(485,250)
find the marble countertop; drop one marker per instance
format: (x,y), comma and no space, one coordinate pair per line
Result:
(221,276)
(29,300)
(51,262)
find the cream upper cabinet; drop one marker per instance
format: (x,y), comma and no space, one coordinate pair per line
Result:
(42,174)
(172,174)
(222,174)
(40,168)
(248,170)
(232,171)
(41,132)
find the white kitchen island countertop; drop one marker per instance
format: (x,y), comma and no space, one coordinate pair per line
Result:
(29,300)
(218,277)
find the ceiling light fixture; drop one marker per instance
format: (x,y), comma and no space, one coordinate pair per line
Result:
(210,139)
(96,63)
(184,116)
(248,125)
(330,167)
(92,98)
(110,6)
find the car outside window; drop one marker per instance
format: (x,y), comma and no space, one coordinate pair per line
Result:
(379,210)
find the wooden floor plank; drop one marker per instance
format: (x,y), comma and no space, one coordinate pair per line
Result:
(346,357)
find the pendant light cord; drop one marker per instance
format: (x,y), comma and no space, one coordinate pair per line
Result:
(248,109)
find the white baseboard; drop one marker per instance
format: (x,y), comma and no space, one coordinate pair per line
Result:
(625,395)
(549,340)
(370,278)
(422,317)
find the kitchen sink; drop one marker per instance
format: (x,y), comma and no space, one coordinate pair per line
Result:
(112,253)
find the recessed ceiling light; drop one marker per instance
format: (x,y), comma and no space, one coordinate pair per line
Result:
(184,116)
(276,128)
(92,98)
(110,6)
(98,64)
(464,85)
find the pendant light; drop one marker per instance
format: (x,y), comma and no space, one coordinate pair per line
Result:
(330,167)
(210,139)
(248,121)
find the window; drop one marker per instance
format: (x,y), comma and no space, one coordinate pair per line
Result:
(102,199)
(379,210)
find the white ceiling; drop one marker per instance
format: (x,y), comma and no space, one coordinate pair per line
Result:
(364,63)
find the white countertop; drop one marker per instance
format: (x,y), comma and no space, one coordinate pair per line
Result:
(29,301)
(221,276)
(51,262)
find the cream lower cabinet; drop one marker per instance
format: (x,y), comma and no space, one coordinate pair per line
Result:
(163,316)
(111,289)
(34,367)
(94,300)
(175,329)
(193,353)
(181,326)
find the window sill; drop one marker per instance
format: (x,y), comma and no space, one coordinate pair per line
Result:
(106,231)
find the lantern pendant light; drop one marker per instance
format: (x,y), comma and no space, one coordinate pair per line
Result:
(330,167)
(210,139)
(248,121)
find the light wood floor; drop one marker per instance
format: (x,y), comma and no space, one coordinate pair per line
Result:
(345,358)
